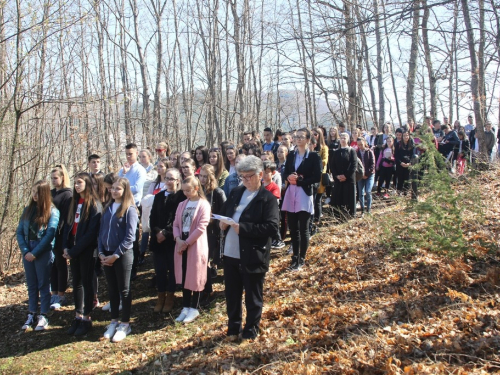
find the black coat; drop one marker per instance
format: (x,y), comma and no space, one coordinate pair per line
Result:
(162,218)
(344,163)
(216,199)
(259,223)
(403,154)
(87,232)
(62,200)
(310,170)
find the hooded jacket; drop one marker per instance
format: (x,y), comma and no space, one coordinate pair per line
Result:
(117,234)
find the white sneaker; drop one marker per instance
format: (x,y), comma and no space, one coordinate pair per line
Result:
(43,323)
(29,322)
(183,314)
(327,201)
(110,330)
(191,315)
(121,332)
(58,302)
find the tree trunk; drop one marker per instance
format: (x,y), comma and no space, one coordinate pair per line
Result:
(428,59)
(380,78)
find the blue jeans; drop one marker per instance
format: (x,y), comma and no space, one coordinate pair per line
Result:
(365,192)
(38,280)
(144,242)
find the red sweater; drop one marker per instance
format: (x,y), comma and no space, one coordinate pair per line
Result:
(273,188)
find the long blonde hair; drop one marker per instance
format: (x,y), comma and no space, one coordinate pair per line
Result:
(63,173)
(194,182)
(128,197)
(212,181)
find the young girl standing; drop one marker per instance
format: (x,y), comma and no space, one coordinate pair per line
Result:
(116,238)
(386,165)
(79,242)
(216,161)
(36,236)
(61,197)
(191,249)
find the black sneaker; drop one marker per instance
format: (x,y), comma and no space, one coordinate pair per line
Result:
(74,326)
(293,266)
(84,328)
(278,244)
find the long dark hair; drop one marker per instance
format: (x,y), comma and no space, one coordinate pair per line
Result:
(204,153)
(42,206)
(110,178)
(410,143)
(168,165)
(91,198)
(100,189)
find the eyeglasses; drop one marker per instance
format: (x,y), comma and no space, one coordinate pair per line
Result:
(170,179)
(159,149)
(299,137)
(246,178)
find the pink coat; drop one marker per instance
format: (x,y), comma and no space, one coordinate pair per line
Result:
(197,251)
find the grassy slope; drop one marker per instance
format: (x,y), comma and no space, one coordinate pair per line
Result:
(353,310)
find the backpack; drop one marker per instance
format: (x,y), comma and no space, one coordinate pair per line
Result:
(360,169)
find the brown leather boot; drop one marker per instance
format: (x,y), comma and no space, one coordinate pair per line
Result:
(160,302)
(169,302)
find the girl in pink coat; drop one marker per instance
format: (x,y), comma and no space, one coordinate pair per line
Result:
(191,248)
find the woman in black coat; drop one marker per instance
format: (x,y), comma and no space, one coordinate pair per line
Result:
(343,167)
(403,154)
(302,172)
(162,242)
(247,248)
(79,243)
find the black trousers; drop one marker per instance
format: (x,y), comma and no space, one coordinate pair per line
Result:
(298,223)
(403,178)
(385,177)
(236,280)
(82,269)
(163,259)
(59,272)
(118,278)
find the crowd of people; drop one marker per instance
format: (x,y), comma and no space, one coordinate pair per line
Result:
(207,209)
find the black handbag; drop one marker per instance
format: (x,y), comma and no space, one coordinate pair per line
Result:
(327,179)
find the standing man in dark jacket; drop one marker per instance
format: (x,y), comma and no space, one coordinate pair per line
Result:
(247,247)
(344,174)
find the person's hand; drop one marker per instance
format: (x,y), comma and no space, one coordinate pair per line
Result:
(236,228)
(292,179)
(223,226)
(126,168)
(66,255)
(29,257)
(181,245)
(108,260)
(365,177)
(160,237)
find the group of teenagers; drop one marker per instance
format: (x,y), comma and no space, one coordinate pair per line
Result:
(260,189)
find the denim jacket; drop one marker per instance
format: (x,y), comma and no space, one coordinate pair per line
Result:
(232,181)
(46,235)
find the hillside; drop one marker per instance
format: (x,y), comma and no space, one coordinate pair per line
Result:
(355,309)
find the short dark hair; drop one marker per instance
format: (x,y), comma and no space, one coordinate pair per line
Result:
(399,130)
(305,130)
(435,122)
(269,165)
(268,130)
(130,146)
(93,156)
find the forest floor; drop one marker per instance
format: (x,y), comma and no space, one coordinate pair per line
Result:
(354,309)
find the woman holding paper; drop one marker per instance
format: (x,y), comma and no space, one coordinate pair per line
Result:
(247,247)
